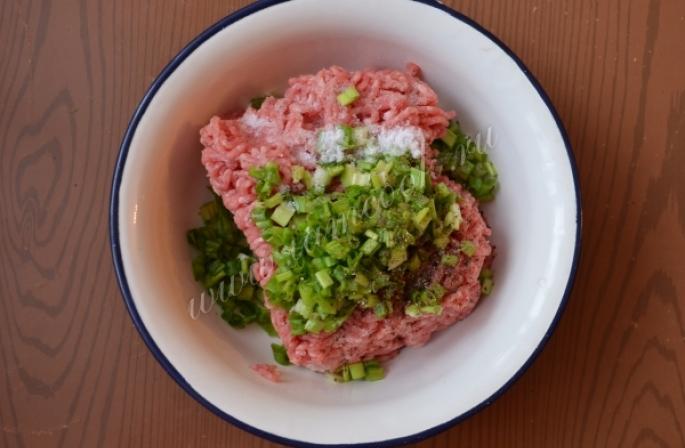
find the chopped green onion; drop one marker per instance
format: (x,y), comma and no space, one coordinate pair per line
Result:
(355,245)
(437,290)
(324,278)
(361,136)
(246,292)
(352,176)
(336,249)
(398,255)
(283,214)
(284,276)
(431,309)
(346,373)
(361,279)
(357,371)
(486,281)
(463,161)
(441,241)
(297,324)
(414,263)
(303,308)
(341,206)
(267,177)
(348,136)
(450,260)
(280,354)
(348,96)
(450,138)
(273,201)
(222,265)
(380,310)
(374,373)
(298,172)
(418,179)
(490,168)
(468,248)
(389,238)
(371,301)
(412,310)
(245,261)
(301,204)
(422,219)
(257,102)
(486,286)
(321,178)
(334,170)
(369,246)
(325,307)
(209,211)
(453,218)
(313,326)
(307,293)
(371,234)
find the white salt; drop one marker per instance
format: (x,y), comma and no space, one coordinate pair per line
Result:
(401,139)
(330,145)
(254,122)
(374,141)
(395,141)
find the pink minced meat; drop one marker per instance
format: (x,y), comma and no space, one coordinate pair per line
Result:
(267,371)
(284,131)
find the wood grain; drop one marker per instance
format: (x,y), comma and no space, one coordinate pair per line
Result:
(73,370)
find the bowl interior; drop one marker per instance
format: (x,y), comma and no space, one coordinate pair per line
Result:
(534,218)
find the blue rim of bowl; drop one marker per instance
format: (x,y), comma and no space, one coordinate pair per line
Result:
(166,364)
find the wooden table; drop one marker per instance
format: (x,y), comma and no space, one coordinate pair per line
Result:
(74,371)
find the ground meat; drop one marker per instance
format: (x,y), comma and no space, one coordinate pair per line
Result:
(267,371)
(284,130)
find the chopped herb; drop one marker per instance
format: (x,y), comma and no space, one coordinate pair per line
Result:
(450,138)
(324,278)
(374,371)
(283,214)
(280,354)
(348,96)
(426,301)
(222,265)
(450,260)
(339,249)
(267,178)
(486,286)
(257,102)
(359,371)
(348,137)
(273,201)
(468,248)
(486,281)
(463,161)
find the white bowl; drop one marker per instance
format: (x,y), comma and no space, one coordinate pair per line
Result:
(159,184)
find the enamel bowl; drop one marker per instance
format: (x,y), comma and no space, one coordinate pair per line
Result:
(159,184)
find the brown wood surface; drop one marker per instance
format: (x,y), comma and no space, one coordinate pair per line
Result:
(74,371)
